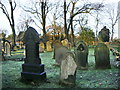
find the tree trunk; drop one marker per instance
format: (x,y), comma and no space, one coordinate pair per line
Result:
(65,22)
(13,27)
(43,6)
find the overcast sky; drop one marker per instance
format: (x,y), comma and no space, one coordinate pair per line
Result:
(4,24)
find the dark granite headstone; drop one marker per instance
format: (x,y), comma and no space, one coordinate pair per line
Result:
(32,69)
(68,70)
(102,56)
(81,55)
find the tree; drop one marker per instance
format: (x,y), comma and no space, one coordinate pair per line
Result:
(76,10)
(113,17)
(87,35)
(24,22)
(10,17)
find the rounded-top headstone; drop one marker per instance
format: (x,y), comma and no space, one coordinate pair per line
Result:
(31,35)
(102,56)
(81,55)
(31,41)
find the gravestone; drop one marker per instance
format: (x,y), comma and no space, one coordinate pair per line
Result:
(41,47)
(68,70)
(65,42)
(104,34)
(48,46)
(7,49)
(32,69)
(57,44)
(1,57)
(81,55)
(59,54)
(102,56)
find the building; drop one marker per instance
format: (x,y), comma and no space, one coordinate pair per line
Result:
(119,20)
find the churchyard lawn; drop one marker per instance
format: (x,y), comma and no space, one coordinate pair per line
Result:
(91,78)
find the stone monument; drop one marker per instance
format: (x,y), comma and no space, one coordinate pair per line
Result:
(32,69)
(102,56)
(7,48)
(81,55)
(68,70)
(48,46)
(59,54)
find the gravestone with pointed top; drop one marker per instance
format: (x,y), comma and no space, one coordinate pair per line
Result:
(32,69)
(81,55)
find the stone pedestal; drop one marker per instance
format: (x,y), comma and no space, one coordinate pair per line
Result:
(33,72)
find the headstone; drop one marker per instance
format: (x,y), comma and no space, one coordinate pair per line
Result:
(65,42)
(32,69)
(102,56)
(1,57)
(104,34)
(57,44)
(81,55)
(48,46)
(59,54)
(7,49)
(41,47)
(68,70)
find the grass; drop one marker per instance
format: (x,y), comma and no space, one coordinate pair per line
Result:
(91,78)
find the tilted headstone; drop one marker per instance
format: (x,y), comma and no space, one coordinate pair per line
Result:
(48,46)
(32,69)
(68,70)
(102,56)
(57,44)
(59,54)
(81,55)
(7,49)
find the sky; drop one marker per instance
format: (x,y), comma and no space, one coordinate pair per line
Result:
(4,24)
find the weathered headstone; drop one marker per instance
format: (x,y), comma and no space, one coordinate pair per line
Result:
(7,49)
(1,57)
(57,44)
(68,70)
(65,42)
(102,56)
(41,47)
(104,34)
(81,55)
(59,54)
(32,69)
(48,46)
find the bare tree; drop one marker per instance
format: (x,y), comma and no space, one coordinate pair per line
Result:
(24,22)
(76,10)
(113,17)
(10,17)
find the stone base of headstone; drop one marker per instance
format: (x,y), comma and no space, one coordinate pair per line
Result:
(33,72)
(70,81)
